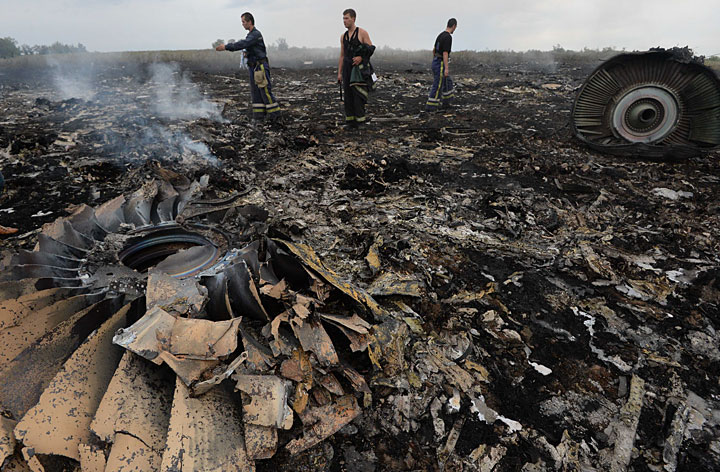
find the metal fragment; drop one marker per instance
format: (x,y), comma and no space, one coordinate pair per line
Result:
(7,438)
(268,401)
(129,454)
(137,402)
(205,433)
(60,421)
(322,422)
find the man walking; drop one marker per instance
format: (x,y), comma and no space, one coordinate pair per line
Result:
(441,92)
(354,69)
(264,105)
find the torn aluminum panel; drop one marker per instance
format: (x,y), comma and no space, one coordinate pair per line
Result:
(324,421)
(7,438)
(205,433)
(137,402)
(60,422)
(189,346)
(392,284)
(268,400)
(128,453)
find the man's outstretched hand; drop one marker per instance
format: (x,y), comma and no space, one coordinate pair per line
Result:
(220,48)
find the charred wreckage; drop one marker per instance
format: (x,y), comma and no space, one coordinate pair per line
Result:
(173,329)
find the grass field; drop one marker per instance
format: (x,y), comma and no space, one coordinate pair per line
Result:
(206,59)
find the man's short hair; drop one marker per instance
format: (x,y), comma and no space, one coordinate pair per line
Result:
(350,12)
(452,22)
(248,17)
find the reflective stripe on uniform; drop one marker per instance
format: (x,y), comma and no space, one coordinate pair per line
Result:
(440,84)
(267,92)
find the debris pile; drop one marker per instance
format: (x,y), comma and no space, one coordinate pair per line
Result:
(509,299)
(256,315)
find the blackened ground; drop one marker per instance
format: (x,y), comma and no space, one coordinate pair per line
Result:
(493,193)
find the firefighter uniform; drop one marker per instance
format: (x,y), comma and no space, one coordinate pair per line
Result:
(441,92)
(264,104)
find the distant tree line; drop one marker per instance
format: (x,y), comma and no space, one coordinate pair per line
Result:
(9,48)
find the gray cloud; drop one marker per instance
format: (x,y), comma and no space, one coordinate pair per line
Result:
(112,25)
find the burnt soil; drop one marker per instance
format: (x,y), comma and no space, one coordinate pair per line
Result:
(493,196)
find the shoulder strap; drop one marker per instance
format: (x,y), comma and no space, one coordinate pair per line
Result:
(356,33)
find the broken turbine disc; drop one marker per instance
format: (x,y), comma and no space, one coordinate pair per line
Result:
(123,332)
(653,104)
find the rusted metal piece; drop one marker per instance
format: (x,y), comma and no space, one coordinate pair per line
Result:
(137,402)
(260,441)
(205,433)
(222,373)
(184,297)
(60,421)
(92,458)
(189,346)
(129,454)
(7,438)
(315,339)
(268,401)
(308,256)
(392,284)
(25,378)
(322,422)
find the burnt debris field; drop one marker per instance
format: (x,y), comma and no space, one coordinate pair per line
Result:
(467,290)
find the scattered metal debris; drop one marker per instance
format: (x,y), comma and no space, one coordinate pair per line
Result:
(495,289)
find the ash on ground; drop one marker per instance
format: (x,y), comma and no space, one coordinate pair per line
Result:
(559,307)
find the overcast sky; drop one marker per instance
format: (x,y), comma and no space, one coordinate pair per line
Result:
(122,25)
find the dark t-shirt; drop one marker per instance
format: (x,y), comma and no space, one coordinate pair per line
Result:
(443,43)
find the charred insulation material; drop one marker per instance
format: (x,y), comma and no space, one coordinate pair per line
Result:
(657,104)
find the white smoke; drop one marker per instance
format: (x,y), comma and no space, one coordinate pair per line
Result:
(177,145)
(72,79)
(177,97)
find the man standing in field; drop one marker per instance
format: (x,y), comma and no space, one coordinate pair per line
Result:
(264,105)
(354,70)
(441,92)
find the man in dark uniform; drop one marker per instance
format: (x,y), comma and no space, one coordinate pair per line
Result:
(441,92)
(264,104)
(353,66)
